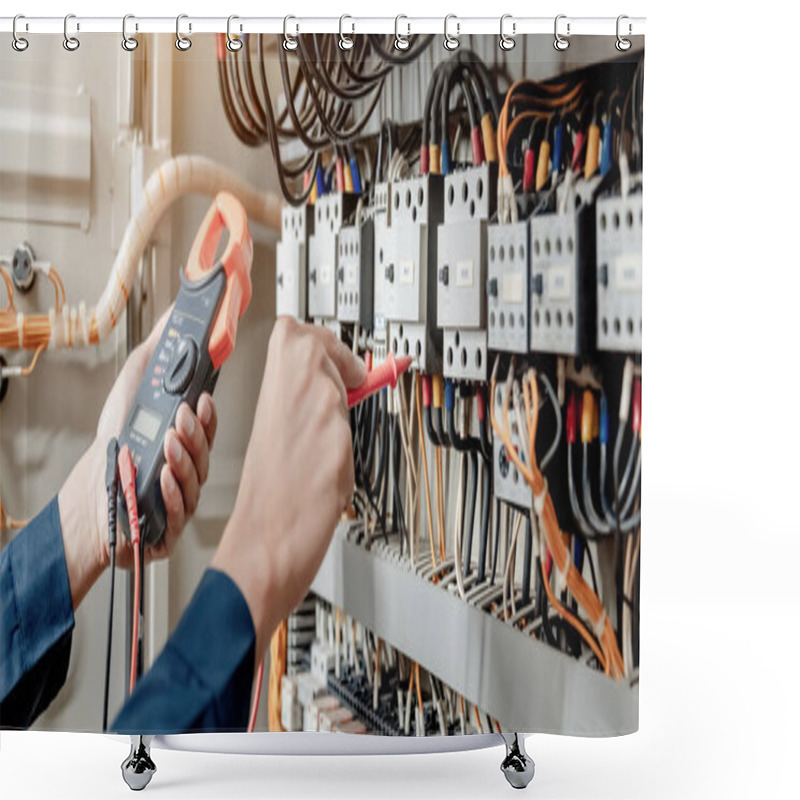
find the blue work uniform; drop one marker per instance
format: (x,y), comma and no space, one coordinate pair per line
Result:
(201,680)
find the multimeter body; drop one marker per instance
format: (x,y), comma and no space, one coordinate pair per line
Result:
(197,338)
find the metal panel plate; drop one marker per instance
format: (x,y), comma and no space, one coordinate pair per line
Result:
(461,275)
(464,355)
(508,297)
(355,274)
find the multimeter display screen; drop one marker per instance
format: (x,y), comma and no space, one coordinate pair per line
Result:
(146,423)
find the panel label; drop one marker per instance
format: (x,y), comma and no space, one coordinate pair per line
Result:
(464,274)
(629,272)
(350,274)
(325,275)
(406,272)
(513,287)
(559,283)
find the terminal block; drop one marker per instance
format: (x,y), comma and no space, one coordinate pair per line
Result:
(330,213)
(509,485)
(619,273)
(355,274)
(407,265)
(508,297)
(469,201)
(291,257)
(562,304)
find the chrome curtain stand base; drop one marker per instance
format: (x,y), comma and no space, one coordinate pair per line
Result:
(138,768)
(517,766)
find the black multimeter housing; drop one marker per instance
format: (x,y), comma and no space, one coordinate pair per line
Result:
(179,371)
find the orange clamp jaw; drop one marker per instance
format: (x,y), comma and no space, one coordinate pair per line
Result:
(237,260)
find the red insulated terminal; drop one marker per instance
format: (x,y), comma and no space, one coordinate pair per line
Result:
(380,377)
(426,391)
(528,170)
(636,421)
(481,406)
(577,152)
(477,149)
(127,480)
(340,174)
(368,360)
(424,164)
(570,425)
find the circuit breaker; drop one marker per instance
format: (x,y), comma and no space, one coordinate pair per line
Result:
(291,256)
(407,265)
(469,202)
(619,273)
(562,259)
(507,294)
(354,274)
(509,485)
(330,213)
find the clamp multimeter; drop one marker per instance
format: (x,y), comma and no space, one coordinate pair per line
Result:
(198,337)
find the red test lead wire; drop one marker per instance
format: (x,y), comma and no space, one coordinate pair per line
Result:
(127,479)
(379,378)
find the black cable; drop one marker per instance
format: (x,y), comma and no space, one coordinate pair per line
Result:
(112,488)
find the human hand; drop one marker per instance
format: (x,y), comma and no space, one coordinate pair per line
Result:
(297,476)
(84,514)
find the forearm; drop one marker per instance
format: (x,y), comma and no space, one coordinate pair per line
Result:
(85,555)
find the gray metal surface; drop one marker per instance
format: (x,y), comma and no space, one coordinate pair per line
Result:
(619,273)
(524,683)
(464,354)
(354,274)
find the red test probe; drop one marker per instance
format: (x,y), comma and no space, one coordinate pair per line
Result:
(379,378)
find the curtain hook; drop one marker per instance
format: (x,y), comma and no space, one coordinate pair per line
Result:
(623,44)
(401,41)
(183,43)
(129,43)
(507,42)
(234,45)
(345,42)
(18,42)
(289,41)
(71,43)
(451,42)
(560,43)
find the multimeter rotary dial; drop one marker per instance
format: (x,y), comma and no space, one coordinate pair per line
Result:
(181,367)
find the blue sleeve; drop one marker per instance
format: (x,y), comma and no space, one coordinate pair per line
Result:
(203,677)
(36,620)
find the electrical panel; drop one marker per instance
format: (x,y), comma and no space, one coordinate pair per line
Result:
(509,485)
(354,274)
(469,202)
(508,297)
(291,261)
(408,263)
(562,259)
(330,213)
(619,273)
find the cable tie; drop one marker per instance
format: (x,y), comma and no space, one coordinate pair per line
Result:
(20,326)
(84,325)
(538,499)
(599,626)
(561,576)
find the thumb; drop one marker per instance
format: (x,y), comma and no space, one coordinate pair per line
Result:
(352,369)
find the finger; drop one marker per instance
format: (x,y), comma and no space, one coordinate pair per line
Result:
(350,367)
(207,414)
(193,438)
(183,470)
(335,377)
(173,503)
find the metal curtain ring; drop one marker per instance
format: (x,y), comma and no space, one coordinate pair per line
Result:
(623,44)
(18,42)
(129,43)
(401,41)
(560,42)
(507,42)
(450,41)
(289,41)
(183,43)
(234,45)
(71,43)
(345,42)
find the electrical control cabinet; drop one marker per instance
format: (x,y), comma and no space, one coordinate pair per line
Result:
(330,213)
(508,484)
(562,258)
(469,202)
(619,273)
(355,273)
(408,268)
(508,297)
(291,256)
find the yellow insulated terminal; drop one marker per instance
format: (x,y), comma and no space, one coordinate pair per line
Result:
(543,164)
(592,151)
(436,159)
(588,414)
(489,140)
(438,391)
